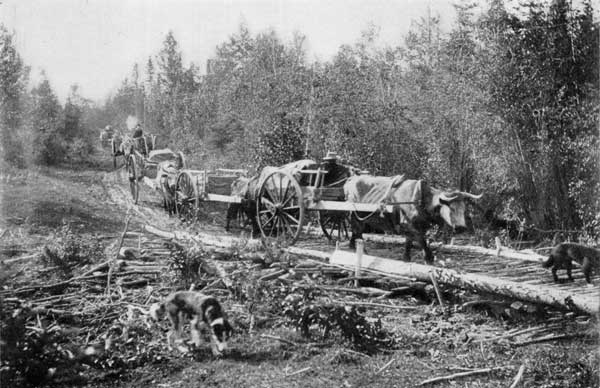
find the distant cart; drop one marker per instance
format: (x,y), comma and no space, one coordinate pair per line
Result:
(142,166)
(195,188)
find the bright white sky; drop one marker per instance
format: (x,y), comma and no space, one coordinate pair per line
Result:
(95,43)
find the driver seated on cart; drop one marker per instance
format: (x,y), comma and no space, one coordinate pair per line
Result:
(335,171)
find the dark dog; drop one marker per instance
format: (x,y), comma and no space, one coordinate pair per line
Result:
(564,254)
(201,309)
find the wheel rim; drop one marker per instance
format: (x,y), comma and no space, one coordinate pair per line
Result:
(133,180)
(335,225)
(186,198)
(280,208)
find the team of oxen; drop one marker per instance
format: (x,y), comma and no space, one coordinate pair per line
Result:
(417,206)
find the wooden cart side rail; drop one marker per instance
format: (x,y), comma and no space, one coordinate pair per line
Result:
(222,198)
(353,206)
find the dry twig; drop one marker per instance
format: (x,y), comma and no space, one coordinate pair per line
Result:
(110,268)
(385,366)
(461,374)
(518,377)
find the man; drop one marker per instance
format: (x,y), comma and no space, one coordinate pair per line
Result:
(335,171)
(137,131)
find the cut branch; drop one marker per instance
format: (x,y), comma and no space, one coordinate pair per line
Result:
(461,374)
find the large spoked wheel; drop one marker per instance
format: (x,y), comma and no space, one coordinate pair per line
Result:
(132,173)
(335,225)
(187,201)
(280,209)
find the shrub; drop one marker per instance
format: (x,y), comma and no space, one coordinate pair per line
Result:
(186,262)
(70,250)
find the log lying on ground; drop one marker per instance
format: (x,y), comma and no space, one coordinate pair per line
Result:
(207,239)
(482,283)
(504,252)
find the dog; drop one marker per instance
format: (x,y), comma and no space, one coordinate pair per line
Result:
(202,310)
(564,254)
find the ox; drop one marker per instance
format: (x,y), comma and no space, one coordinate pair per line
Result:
(168,194)
(167,168)
(417,206)
(245,188)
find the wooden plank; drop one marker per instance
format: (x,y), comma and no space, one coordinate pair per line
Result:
(349,206)
(222,198)
(537,294)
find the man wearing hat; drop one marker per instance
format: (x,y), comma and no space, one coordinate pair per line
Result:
(335,172)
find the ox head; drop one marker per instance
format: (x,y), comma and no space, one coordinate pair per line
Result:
(452,207)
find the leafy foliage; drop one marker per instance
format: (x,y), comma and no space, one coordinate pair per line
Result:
(186,262)
(304,312)
(45,121)
(69,250)
(13,81)
(29,357)
(363,333)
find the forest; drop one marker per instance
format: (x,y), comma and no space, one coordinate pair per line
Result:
(502,104)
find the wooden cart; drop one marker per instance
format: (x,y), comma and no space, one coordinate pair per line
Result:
(283,197)
(140,166)
(194,188)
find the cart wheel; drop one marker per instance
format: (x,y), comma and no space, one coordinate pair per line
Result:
(186,197)
(280,208)
(134,185)
(335,225)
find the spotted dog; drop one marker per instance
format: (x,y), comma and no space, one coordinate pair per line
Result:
(202,310)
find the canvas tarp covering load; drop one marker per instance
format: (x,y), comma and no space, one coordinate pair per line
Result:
(404,195)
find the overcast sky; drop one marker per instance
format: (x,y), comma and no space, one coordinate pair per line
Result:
(95,43)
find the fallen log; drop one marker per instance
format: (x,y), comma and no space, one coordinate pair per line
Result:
(549,337)
(364,291)
(375,305)
(536,294)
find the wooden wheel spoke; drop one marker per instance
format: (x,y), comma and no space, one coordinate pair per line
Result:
(272,190)
(270,205)
(281,187)
(296,221)
(266,223)
(287,188)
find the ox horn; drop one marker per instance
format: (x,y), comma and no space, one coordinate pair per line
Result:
(472,196)
(448,198)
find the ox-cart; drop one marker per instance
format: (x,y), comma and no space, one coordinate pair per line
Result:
(125,145)
(145,163)
(279,198)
